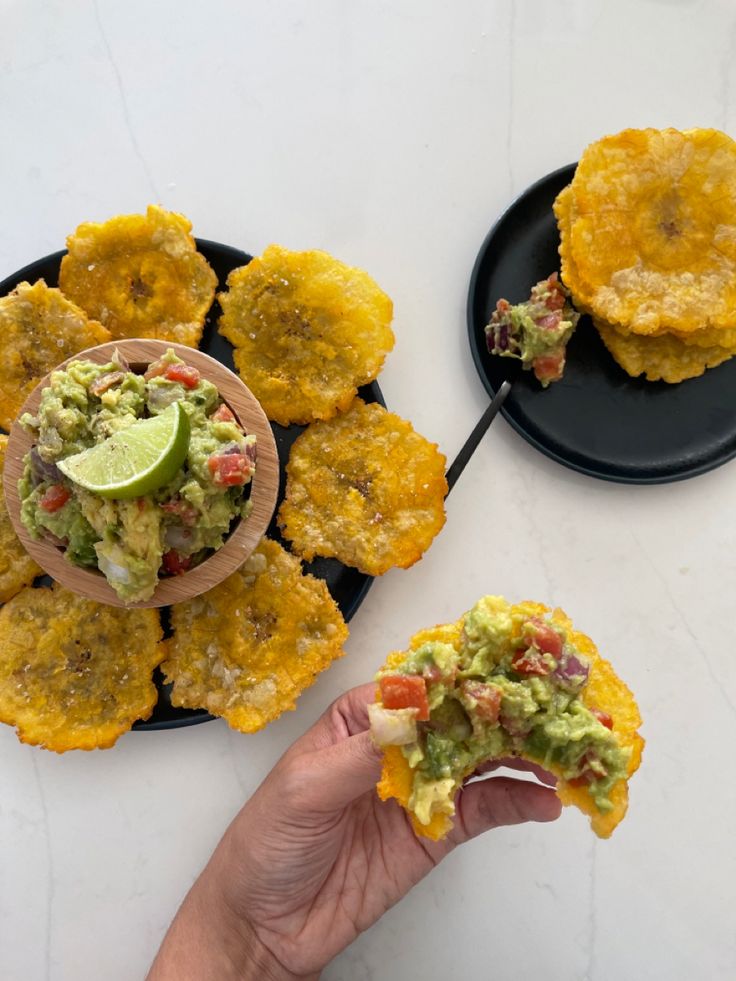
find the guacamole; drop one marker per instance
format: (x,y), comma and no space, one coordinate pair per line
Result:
(166,532)
(535,332)
(513,686)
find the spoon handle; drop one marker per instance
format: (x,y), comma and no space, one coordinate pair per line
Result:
(471,443)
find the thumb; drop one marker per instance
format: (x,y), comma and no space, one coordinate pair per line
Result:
(343,771)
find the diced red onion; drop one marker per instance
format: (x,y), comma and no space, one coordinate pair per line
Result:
(41,470)
(497,337)
(569,667)
(119,360)
(100,385)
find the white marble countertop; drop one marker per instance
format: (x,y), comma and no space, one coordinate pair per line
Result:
(392,134)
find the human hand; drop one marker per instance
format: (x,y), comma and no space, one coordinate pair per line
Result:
(314,857)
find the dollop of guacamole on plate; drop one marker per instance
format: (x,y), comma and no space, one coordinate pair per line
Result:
(133,542)
(536,332)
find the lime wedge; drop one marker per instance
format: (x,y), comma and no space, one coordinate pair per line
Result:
(135,461)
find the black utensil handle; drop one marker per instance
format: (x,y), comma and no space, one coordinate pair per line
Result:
(471,443)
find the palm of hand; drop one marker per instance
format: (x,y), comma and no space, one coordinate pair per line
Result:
(326,887)
(317,867)
(315,858)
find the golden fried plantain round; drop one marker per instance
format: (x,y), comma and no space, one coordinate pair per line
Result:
(707,337)
(39,328)
(75,674)
(648,230)
(364,488)
(141,276)
(664,357)
(17,568)
(248,648)
(564,210)
(307,330)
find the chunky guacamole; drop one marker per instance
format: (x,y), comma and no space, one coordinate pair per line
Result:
(512,685)
(165,532)
(537,331)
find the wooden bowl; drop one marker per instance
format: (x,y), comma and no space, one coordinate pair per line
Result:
(244,536)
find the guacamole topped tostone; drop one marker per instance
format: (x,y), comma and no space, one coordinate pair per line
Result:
(504,681)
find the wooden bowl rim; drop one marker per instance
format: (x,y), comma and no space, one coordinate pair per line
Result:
(243,538)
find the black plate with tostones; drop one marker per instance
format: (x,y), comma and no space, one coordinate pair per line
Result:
(347,586)
(597,419)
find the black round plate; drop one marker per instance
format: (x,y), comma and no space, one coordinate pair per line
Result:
(347,586)
(597,420)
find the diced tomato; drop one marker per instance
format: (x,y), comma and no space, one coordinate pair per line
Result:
(155,370)
(530,661)
(487,697)
(585,778)
(405,691)
(549,367)
(503,306)
(223,414)
(556,298)
(141,502)
(592,770)
(54,498)
(184,373)
(174,563)
(550,321)
(514,726)
(603,717)
(545,638)
(181,509)
(230,469)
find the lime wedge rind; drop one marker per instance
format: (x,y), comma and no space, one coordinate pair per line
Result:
(136,461)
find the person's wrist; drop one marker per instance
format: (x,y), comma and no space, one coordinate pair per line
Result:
(209,941)
(241,952)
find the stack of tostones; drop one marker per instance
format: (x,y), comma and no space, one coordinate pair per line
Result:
(364,488)
(247,649)
(75,674)
(307,331)
(17,568)
(141,276)
(648,248)
(39,328)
